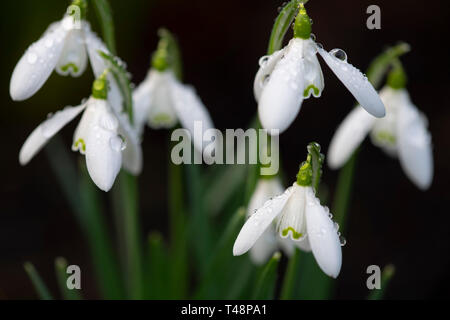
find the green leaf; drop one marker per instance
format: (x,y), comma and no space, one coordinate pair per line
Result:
(61,275)
(38,283)
(312,283)
(82,196)
(282,24)
(125,192)
(265,285)
(122,78)
(221,258)
(104,14)
(157,267)
(316,160)
(386,277)
(291,276)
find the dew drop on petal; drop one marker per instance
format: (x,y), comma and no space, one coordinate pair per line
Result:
(117,143)
(313,37)
(339,54)
(32,58)
(342,241)
(263,61)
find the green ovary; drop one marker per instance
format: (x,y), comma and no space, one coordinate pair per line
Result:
(295,235)
(162,118)
(314,88)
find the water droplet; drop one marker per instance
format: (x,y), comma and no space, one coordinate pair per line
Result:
(339,54)
(263,61)
(319,45)
(32,58)
(117,143)
(336,226)
(342,241)
(313,37)
(266,79)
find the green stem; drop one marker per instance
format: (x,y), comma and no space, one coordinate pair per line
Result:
(265,285)
(37,281)
(83,199)
(386,277)
(290,278)
(61,275)
(104,14)
(126,190)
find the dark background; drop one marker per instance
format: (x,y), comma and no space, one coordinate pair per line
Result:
(391,221)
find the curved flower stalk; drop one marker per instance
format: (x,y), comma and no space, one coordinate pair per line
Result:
(268,243)
(162,101)
(403,133)
(97,136)
(64,47)
(301,219)
(293,74)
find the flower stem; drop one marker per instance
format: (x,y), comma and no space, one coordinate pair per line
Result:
(104,14)
(37,281)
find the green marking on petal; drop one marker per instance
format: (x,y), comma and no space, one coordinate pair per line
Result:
(70,65)
(162,118)
(316,90)
(78,143)
(295,235)
(385,136)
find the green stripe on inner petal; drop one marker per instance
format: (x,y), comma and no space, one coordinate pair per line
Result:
(316,90)
(386,137)
(71,65)
(78,143)
(295,235)
(162,118)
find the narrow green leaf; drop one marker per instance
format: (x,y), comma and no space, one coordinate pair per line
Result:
(82,196)
(386,277)
(61,275)
(122,78)
(317,160)
(222,255)
(265,285)
(312,283)
(291,276)
(38,283)
(282,25)
(157,267)
(178,231)
(125,191)
(104,14)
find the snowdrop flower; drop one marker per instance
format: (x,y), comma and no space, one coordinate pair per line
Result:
(97,137)
(293,74)
(300,218)
(64,47)
(268,243)
(403,133)
(162,101)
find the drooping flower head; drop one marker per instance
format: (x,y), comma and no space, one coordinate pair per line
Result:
(162,101)
(64,47)
(299,218)
(293,74)
(402,133)
(97,137)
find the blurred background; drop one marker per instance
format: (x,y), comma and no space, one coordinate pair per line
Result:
(390,220)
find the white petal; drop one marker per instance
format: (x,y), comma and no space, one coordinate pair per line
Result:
(349,135)
(45,131)
(191,111)
(292,223)
(265,189)
(99,130)
(259,222)
(282,96)
(142,97)
(323,237)
(414,146)
(303,244)
(264,247)
(93,45)
(38,62)
(356,83)
(161,112)
(314,82)
(132,155)
(73,58)
(267,64)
